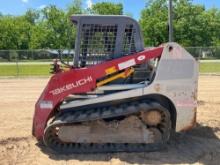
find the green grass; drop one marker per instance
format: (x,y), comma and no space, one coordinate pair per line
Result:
(37,60)
(44,69)
(209,67)
(24,70)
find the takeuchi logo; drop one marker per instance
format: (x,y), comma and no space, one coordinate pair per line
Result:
(70,86)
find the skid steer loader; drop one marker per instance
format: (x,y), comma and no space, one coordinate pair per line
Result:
(116,96)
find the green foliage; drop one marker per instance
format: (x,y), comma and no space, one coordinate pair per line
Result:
(14,32)
(154,22)
(193,25)
(107,8)
(55,25)
(32,16)
(51,27)
(40,36)
(38,29)
(75,8)
(190,24)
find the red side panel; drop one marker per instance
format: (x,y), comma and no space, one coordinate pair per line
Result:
(80,81)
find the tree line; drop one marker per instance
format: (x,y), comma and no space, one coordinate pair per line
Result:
(51,27)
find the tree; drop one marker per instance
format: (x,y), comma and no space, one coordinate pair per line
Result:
(154,22)
(213,26)
(41,36)
(51,27)
(8,34)
(107,8)
(32,16)
(56,25)
(75,8)
(190,24)
(14,32)
(193,25)
(23,29)
(55,29)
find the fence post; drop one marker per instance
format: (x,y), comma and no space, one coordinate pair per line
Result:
(17,67)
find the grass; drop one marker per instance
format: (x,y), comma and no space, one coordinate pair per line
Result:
(44,69)
(14,61)
(24,70)
(209,67)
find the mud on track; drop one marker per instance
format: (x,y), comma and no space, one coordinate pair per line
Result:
(17,97)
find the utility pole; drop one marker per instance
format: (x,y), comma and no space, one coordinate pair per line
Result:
(170,17)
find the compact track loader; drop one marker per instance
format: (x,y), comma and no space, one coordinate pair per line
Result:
(117,96)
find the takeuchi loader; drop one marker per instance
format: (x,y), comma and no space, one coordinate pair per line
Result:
(116,96)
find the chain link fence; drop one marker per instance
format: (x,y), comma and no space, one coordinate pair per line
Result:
(37,62)
(208,53)
(31,55)
(30,62)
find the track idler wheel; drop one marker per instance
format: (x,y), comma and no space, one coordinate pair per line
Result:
(152,117)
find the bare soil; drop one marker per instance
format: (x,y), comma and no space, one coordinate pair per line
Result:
(201,145)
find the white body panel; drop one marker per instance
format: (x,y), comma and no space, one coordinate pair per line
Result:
(176,78)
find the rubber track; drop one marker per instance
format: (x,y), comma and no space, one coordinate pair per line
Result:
(68,118)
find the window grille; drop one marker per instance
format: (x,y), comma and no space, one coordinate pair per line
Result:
(101,38)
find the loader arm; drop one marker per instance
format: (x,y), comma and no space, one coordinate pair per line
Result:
(81,80)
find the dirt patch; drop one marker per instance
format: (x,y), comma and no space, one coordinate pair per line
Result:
(201,145)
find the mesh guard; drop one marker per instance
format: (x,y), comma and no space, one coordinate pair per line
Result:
(101,38)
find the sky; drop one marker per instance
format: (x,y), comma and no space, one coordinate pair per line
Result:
(134,7)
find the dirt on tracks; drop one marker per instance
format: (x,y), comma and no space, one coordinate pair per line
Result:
(17,97)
